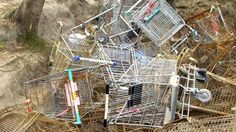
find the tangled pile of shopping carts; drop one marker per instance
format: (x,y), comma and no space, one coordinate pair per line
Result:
(143,86)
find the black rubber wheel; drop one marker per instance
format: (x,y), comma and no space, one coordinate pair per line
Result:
(103,38)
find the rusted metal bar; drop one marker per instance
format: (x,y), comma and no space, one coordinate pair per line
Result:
(222,79)
(205,110)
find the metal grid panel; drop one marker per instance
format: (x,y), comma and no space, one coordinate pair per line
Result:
(223,97)
(60,63)
(154,71)
(76,43)
(158,20)
(10,122)
(93,55)
(119,31)
(122,59)
(90,54)
(138,105)
(216,124)
(188,82)
(214,24)
(51,94)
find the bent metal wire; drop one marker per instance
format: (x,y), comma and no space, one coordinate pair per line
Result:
(52,94)
(189,78)
(142,96)
(157,19)
(143,105)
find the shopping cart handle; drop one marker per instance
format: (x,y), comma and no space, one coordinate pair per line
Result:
(114,64)
(76,58)
(149,18)
(127,12)
(78,121)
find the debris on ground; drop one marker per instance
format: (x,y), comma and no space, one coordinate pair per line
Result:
(136,66)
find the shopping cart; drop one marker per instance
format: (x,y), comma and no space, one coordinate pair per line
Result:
(214,25)
(115,39)
(121,57)
(81,42)
(151,71)
(112,26)
(189,78)
(143,105)
(223,95)
(157,19)
(137,97)
(60,95)
(218,123)
(73,52)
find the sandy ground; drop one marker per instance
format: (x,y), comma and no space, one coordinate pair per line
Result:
(18,65)
(15,68)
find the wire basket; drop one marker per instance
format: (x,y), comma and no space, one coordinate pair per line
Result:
(214,25)
(17,120)
(85,54)
(52,94)
(118,31)
(223,97)
(216,124)
(158,20)
(151,71)
(122,59)
(191,76)
(142,105)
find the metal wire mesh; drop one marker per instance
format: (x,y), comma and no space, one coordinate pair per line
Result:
(78,42)
(119,48)
(216,124)
(119,31)
(10,122)
(121,6)
(214,24)
(190,89)
(48,95)
(122,58)
(59,63)
(158,20)
(141,96)
(94,56)
(152,71)
(15,119)
(139,105)
(223,97)
(51,94)
(210,56)
(89,54)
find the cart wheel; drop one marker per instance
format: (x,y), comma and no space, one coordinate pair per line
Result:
(196,36)
(201,75)
(101,20)
(103,38)
(83,26)
(204,95)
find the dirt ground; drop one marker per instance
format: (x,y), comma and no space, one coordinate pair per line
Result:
(19,64)
(15,69)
